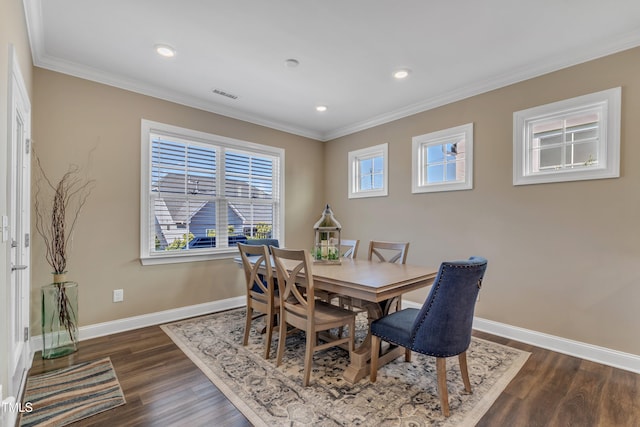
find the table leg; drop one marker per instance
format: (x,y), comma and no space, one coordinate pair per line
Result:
(359,366)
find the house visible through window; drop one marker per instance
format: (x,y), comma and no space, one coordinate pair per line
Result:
(368,172)
(204,193)
(569,140)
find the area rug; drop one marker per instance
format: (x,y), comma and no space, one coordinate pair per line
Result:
(404,393)
(70,394)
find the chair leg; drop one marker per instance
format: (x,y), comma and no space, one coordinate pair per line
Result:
(375,350)
(464,371)
(247,325)
(282,337)
(407,355)
(308,358)
(270,325)
(441,373)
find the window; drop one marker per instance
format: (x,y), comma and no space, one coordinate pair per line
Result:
(368,172)
(443,160)
(203,193)
(570,140)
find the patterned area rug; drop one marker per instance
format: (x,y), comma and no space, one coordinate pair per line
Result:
(70,394)
(405,394)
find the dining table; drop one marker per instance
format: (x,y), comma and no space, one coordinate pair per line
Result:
(374,287)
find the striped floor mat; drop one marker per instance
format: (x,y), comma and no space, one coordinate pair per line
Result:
(70,394)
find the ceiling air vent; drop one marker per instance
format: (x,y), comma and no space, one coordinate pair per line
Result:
(223,93)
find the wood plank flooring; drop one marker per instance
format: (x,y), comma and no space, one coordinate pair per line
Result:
(164,388)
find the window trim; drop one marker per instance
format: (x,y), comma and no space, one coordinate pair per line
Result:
(610,103)
(418,143)
(354,156)
(147,257)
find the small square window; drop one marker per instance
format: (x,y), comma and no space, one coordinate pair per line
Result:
(368,174)
(570,140)
(443,160)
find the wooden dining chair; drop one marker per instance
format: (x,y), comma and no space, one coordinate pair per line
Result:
(349,248)
(441,328)
(300,309)
(262,295)
(395,252)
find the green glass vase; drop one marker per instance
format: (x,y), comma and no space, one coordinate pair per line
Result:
(59,318)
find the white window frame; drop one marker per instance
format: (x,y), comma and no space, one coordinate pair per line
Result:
(355,157)
(148,130)
(420,144)
(607,103)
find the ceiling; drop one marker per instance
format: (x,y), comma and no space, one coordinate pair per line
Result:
(347,51)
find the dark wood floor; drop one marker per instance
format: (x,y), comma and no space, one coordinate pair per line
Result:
(164,388)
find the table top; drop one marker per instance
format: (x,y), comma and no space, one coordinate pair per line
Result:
(370,280)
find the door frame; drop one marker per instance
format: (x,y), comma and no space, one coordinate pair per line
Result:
(20,354)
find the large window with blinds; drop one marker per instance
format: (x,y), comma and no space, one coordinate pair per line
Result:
(203,193)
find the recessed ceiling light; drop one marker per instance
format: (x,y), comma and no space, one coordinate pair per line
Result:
(321,108)
(291,63)
(401,74)
(165,50)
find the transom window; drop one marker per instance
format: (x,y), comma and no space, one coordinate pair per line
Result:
(570,140)
(567,142)
(204,193)
(442,160)
(368,172)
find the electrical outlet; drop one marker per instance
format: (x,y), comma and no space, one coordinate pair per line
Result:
(118,295)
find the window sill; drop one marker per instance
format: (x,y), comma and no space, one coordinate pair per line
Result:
(363,194)
(180,258)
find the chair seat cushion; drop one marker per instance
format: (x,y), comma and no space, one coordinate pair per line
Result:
(396,327)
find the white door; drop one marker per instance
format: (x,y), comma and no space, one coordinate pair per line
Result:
(19,227)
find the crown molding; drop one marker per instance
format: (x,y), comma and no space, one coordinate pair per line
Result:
(529,71)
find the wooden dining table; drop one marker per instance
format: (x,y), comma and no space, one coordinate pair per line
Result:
(372,286)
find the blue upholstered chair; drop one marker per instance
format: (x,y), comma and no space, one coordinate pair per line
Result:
(266,242)
(441,328)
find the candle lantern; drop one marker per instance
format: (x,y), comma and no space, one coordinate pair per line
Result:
(326,248)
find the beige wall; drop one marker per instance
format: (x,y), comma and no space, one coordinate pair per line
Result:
(13,31)
(73,116)
(563,257)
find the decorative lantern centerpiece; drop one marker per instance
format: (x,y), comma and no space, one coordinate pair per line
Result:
(326,249)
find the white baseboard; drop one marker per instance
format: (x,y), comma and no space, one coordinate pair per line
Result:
(135,322)
(606,356)
(603,355)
